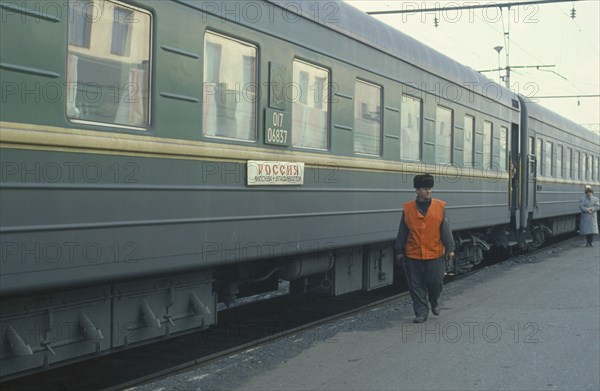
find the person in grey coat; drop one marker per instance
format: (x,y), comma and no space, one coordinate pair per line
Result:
(588,225)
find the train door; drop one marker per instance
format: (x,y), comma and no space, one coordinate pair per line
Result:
(514,171)
(531,179)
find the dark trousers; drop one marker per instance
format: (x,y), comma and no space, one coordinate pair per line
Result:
(425,279)
(589,238)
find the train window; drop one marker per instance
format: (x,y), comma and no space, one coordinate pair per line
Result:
(411,124)
(478,149)
(582,161)
(576,173)
(487,145)
(495,165)
(568,158)
(588,168)
(531,145)
(108,83)
(229,103)
(469,137)
(548,169)
(502,150)
(559,154)
(367,118)
(531,169)
(443,136)
(539,157)
(310,109)
(594,168)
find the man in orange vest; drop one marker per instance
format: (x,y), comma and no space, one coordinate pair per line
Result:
(424,242)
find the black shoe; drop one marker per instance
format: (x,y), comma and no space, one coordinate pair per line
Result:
(435,309)
(420,319)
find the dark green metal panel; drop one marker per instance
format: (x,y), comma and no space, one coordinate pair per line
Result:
(429,138)
(33,57)
(342,115)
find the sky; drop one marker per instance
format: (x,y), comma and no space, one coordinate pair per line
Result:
(542,34)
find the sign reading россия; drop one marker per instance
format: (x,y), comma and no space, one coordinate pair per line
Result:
(274,173)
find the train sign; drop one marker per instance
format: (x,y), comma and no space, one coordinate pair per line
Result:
(275,173)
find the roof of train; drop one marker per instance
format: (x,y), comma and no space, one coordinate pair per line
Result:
(549,117)
(358,25)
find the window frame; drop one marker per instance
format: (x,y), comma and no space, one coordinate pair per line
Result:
(150,69)
(568,163)
(503,162)
(559,160)
(548,159)
(490,150)
(381,103)
(472,146)
(539,155)
(406,98)
(326,101)
(204,128)
(451,136)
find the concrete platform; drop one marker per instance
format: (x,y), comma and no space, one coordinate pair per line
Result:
(531,323)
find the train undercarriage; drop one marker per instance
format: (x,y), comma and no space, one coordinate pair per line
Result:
(49,329)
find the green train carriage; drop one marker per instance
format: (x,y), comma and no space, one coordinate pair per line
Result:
(135,194)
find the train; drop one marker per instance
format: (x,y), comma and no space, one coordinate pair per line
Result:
(161,158)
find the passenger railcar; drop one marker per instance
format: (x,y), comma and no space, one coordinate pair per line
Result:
(151,172)
(562,159)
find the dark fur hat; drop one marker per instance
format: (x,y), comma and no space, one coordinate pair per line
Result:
(424,180)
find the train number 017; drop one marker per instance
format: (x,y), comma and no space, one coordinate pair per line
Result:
(277,120)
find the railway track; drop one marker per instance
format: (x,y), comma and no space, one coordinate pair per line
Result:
(240,328)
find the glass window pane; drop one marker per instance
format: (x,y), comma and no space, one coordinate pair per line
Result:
(443,136)
(229,96)
(367,118)
(559,153)
(588,169)
(538,155)
(568,163)
(576,174)
(311,106)
(487,145)
(531,145)
(469,138)
(410,136)
(105,85)
(548,159)
(502,151)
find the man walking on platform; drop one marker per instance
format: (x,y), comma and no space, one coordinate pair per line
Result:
(424,241)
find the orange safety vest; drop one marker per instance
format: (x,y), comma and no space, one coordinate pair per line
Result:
(424,240)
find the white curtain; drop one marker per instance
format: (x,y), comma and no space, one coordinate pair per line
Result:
(72,110)
(131,104)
